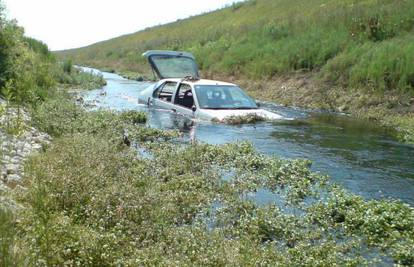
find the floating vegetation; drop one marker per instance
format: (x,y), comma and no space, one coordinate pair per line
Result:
(241,119)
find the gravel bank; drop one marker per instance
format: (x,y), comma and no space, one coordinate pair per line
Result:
(16,147)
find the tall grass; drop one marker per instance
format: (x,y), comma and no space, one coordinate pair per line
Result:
(263,38)
(7,236)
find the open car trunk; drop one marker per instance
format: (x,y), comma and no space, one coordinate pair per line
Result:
(172,64)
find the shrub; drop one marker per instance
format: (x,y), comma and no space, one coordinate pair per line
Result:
(67,66)
(75,77)
(60,116)
(25,67)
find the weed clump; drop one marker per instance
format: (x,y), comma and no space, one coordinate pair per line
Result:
(241,119)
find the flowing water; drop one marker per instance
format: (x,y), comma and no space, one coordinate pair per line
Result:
(360,155)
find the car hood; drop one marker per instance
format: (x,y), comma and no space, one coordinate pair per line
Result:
(220,114)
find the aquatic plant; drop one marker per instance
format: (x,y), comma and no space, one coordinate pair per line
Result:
(91,200)
(241,119)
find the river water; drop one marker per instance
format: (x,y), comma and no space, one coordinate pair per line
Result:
(360,155)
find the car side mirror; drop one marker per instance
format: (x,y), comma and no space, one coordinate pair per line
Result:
(258,104)
(194,108)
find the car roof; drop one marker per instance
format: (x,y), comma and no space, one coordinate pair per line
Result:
(199,82)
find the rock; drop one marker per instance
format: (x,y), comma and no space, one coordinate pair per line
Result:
(15,160)
(12,168)
(36,146)
(343,108)
(14,179)
(14,150)
(3,175)
(6,158)
(3,188)
(2,101)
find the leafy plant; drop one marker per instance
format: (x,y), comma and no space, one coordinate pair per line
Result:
(242,119)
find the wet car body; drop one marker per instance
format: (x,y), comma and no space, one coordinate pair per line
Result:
(180,90)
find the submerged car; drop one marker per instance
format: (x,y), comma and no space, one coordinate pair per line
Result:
(181,90)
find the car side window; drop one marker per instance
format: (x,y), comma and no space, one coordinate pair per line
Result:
(166,92)
(184,96)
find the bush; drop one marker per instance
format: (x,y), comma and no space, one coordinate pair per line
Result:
(67,66)
(60,117)
(70,76)
(25,67)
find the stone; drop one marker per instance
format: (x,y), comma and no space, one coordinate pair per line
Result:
(15,160)
(37,146)
(3,188)
(343,108)
(14,150)
(12,168)
(14,178)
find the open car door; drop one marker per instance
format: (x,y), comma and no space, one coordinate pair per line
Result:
(172,64)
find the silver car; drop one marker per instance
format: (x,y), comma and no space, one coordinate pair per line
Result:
(181,90)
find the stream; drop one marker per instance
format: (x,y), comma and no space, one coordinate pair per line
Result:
(360,155)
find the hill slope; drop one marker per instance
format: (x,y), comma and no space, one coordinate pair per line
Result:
(364,45)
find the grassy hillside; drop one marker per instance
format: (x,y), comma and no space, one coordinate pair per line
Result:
(357,43)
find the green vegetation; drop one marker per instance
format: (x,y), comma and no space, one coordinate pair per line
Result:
(25,72)
(7,235)
(75,77)
(352,50)
(29,72)
(90,200)
(242,119)
(370,40)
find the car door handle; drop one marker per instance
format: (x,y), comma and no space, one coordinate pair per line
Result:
(174,110)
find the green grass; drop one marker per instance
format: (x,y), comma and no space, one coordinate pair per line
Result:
(90,200)
(7,236)
(369,40)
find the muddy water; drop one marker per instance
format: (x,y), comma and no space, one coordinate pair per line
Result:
(357,154)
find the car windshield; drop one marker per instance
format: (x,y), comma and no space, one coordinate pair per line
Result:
(175,67)
(223,97)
